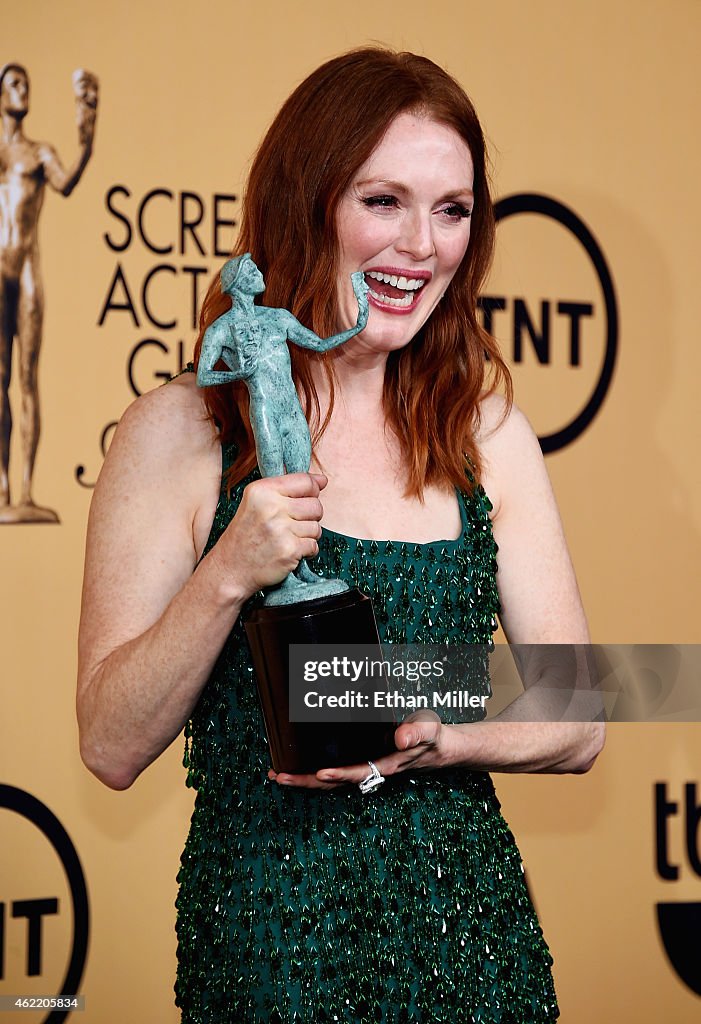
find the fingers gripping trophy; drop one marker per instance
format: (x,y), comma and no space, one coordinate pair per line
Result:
(251,340)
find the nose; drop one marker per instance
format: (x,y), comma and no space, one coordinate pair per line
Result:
(416,236)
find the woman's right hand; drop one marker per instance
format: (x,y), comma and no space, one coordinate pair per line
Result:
(275,526)
(155,614)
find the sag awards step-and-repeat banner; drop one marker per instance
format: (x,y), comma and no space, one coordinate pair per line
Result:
(590,111)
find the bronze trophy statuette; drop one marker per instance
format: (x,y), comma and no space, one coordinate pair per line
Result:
(26,167)
(304,608)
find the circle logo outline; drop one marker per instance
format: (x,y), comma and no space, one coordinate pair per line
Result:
(546,206)
(29,807)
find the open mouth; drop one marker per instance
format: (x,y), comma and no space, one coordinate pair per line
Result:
(393,290)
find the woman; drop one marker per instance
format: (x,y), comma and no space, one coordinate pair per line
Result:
(302,898)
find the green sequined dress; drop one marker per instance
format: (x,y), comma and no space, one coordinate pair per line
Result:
(405,905)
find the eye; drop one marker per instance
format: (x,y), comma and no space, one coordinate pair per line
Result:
(456,211)
(382,202)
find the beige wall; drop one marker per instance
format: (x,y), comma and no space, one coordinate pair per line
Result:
(594,104)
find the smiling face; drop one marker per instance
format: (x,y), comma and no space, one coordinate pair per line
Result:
(405,222)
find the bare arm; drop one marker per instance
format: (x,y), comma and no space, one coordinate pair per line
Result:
(61,180)
(65,181)
(151,627)
(540,603)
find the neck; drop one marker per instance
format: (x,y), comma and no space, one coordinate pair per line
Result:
(360,378)
(244,300)
(11,126)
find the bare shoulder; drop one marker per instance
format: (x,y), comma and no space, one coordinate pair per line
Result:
(500,424)
(172,416)
(167,424)
(537,586)
(508,446)
(43,151)
(165,455)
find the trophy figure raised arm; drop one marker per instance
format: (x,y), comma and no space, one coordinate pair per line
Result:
(304,608)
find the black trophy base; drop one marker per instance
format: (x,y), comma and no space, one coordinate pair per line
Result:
(305,747)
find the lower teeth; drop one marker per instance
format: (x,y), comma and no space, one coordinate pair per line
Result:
(386,300)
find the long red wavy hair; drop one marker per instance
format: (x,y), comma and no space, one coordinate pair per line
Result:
(324,132)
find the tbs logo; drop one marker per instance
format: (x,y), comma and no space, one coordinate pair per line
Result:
(679,922)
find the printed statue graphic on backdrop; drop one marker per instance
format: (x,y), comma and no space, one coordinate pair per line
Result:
(25,168)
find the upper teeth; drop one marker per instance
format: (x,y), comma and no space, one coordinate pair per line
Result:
(407,284)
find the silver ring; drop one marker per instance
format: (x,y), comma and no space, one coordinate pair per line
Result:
(373,780)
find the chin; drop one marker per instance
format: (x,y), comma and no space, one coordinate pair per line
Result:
(379,341)
(396,335)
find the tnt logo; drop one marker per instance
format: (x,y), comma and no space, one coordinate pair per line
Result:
(550,302)
(33,911)
(677,825)
(44,918)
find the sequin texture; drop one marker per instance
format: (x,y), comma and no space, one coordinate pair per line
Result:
(405,906)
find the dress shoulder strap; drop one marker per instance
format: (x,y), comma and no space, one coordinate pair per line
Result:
(188,368)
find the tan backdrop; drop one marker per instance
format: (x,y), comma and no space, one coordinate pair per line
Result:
(592,104)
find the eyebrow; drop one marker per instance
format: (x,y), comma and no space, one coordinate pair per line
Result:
(397,186)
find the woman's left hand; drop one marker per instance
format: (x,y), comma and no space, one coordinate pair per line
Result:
(422,743)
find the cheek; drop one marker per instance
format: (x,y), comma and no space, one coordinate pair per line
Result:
(347,234)
(454,253)
(361,238)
